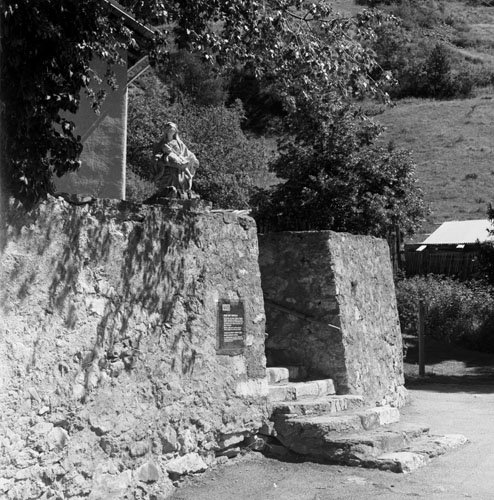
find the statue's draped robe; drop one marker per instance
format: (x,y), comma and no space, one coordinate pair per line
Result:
(175,169)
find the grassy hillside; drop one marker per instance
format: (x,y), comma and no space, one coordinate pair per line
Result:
(452,143)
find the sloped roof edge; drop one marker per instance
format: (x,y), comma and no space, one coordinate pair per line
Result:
(461,232)
(129,20)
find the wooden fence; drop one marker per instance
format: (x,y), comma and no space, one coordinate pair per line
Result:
(442,259)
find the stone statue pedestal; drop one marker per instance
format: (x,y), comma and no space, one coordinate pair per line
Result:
(195,204)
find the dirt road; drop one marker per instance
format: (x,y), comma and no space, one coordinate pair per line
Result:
(464,473)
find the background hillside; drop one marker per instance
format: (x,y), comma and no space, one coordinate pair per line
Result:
(442,56)
(452,144)
(452,140)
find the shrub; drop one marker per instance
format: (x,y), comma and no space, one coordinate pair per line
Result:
(486,261)
(263,107)
(438,70)
(414,13)
(419,13)
(231,164)
(187,74)
(338,178)
(421,68)
(429,73)
(457,312)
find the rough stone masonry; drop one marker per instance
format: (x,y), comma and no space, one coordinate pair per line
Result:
(331,308)
(110,379)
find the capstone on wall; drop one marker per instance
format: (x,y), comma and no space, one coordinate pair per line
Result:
(331,307)
(110,380)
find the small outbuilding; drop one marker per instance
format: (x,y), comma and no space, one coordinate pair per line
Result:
(451,250)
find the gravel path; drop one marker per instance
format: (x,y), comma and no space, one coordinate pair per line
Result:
(461,403)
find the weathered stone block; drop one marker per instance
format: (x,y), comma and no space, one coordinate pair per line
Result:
(110,486)
(148,473)
(331,307)
(277,375)
(381,415)
(300,390)
(57,438)
(186,464)
(433,446)
(228,440)
(139,449)
(319,406)
(169,440)
(335,440)
(400,461)
(297,372)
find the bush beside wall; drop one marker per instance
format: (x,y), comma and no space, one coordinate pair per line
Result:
(457,312)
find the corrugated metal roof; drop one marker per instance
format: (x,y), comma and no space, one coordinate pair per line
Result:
(457,232)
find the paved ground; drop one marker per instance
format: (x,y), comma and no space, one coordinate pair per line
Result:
(463,402)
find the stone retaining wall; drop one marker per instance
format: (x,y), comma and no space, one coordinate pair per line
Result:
(331,307)
(110,381)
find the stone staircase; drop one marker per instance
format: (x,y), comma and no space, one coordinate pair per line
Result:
(309,419)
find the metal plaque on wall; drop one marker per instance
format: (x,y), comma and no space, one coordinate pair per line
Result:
(231,327)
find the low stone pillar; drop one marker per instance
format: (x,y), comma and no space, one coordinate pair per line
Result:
(331,307)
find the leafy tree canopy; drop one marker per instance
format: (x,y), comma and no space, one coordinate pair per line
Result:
(316,58)
(46,50)
(315,61)
(340,179)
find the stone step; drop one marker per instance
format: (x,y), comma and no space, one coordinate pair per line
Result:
(317,406)
(297,372)
(337,429)
(354,447)
(296,428)
(298,390)
(277,375)
(280,375)
(417,454)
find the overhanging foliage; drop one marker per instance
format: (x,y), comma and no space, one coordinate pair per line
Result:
(314,60)
(47,47)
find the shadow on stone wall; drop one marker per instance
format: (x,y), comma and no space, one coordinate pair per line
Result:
(125,269)
(108,337)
